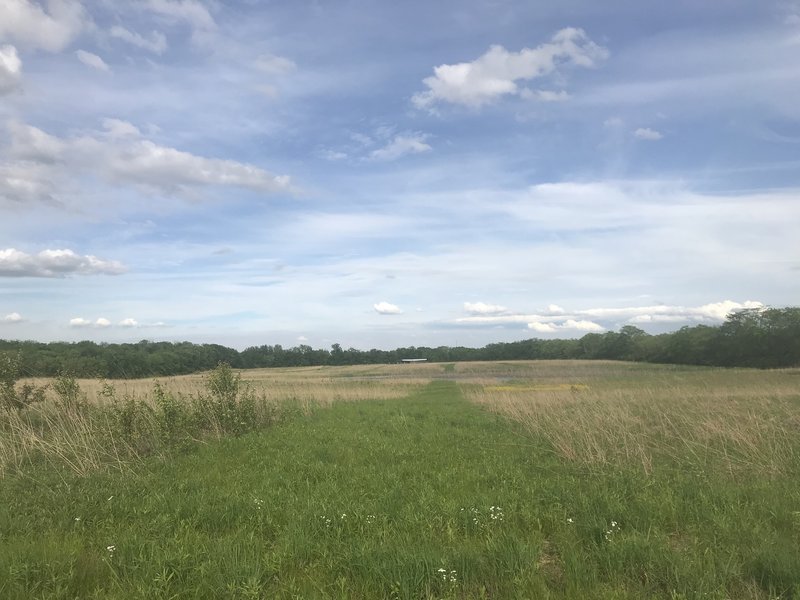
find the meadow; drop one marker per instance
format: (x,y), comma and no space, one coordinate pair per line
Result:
(519,479)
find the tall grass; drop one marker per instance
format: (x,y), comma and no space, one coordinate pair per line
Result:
(85,425)
(736,421)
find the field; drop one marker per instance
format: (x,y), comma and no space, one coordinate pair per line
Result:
(552,479)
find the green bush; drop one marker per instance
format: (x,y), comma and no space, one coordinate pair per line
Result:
(229,405)
(68,393)
(10,396)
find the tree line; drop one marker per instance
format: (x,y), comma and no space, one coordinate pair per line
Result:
(762,338)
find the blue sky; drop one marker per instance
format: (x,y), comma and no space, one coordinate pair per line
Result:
(381,174)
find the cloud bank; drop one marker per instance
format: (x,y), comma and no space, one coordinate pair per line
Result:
(55,263)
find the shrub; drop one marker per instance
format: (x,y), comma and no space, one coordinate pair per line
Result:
(10,396)
(68,393)
(230,405)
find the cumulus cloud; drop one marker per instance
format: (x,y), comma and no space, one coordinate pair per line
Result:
(54,263)
(401,145)
(191,12)
(480,308)
(10,69)
(645,133)
(119,154)
(128,323)
(102,322)
(31,25)
(386,308)
(498,71)
(92,60)
(13,317)
(79,322)
(156,42)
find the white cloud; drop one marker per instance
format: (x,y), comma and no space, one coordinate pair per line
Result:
(32,144)
(496,73)
(92,60)
(54,263)
(30,26)
(480,308)
(400,146)
(102,322)
(568,325)
(13,317)
(385,308)
(10,69)
(302,338)
(275,65)
(559,319)
(155,43)
(189,11)
(121,155)
(128,323)
(645,133)
(79,322)
(716,311)
(613,122)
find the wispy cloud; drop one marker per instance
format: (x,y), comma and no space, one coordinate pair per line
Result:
(191,12)
(402,145)
(156,42)
(272,64)
(645,133)
(92,60)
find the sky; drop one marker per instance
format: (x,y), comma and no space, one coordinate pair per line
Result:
(385,174)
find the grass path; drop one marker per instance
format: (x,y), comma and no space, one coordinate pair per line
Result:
(425,497)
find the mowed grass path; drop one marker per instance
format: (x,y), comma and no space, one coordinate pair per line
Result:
(424,497)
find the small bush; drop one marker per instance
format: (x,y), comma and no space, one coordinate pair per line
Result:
(229,406)
(69,396)
(10,396)
(173,418)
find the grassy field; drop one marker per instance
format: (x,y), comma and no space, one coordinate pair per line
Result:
(469,480)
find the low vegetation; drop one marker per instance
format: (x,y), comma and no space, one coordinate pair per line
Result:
(512,479)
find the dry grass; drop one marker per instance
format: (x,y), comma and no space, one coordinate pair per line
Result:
(606,413)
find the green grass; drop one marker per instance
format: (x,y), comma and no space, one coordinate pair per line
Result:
(371,499)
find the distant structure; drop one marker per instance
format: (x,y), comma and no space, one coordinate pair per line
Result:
(413,360)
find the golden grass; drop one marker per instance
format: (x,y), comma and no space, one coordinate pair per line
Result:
(648,415)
